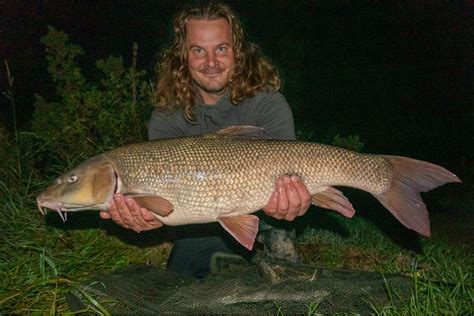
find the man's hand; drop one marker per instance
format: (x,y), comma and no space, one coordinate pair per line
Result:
(127,213)
(290,199)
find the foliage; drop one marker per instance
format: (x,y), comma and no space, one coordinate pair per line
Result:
(39,264)
(88,117)
(5,153)
(351,142)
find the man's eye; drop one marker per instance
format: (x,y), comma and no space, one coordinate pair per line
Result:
(198,51)
(221,49)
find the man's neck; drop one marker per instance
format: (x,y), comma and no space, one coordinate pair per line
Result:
(211,98)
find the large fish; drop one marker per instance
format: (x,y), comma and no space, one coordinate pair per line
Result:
(227,175)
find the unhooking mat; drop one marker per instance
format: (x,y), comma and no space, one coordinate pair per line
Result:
(237,287)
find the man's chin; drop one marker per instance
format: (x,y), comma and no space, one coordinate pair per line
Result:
(213,89)
(216,91)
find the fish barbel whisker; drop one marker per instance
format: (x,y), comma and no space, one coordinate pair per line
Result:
(62,214)
(40,207)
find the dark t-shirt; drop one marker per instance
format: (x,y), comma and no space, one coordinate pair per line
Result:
(268,110)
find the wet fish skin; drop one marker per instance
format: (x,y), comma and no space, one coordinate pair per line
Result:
(226,178)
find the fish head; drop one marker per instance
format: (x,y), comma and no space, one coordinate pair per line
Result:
(89,186)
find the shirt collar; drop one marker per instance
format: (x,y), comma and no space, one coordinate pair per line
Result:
(222,105)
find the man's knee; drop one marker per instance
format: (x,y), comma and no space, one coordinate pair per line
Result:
(192,256)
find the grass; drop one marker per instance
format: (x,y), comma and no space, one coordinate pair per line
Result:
(442,272)
(43,259)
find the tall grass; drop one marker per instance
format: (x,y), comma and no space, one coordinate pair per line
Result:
(41,259)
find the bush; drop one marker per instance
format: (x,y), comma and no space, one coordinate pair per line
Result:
(351,142)
(89,117)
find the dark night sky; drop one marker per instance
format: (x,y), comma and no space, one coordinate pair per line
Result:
(398,75)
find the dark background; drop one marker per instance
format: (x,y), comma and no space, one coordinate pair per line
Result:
(397,73)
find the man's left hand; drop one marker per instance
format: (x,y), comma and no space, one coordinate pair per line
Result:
(290,199)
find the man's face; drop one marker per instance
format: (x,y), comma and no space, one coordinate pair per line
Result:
(210,56)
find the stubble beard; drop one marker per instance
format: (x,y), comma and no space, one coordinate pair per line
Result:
(210,88)
(211,85)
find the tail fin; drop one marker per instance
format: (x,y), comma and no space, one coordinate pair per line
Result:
(403,200)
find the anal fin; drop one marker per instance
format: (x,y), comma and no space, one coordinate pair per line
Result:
(243,228)
(333,199)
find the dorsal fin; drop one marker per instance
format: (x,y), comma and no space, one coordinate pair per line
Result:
(241,131)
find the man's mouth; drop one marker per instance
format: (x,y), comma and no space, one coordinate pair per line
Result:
(212,72)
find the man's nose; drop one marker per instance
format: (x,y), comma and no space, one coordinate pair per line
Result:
(211,60)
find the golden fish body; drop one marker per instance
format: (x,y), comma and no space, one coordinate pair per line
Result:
(223,178)
(205,178)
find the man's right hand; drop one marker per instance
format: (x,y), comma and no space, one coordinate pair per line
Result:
(127,213)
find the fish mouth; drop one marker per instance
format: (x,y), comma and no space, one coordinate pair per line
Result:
(43,204)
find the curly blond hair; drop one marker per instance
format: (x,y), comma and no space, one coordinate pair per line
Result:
(252,73)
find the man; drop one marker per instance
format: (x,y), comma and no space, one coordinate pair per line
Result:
(209,79)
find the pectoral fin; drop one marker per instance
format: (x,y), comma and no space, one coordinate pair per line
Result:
(244,228)
(154,203)
(333,199)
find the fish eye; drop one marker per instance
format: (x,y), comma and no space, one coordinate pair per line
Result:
(72,178)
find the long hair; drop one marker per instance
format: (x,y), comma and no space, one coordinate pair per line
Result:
(252,71)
